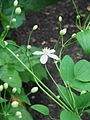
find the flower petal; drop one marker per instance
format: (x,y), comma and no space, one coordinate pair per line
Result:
(37,53)
(54,56)
(51,51)
(44,59)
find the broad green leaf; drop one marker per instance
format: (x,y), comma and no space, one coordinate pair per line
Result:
(82,71)
(83,100)
(11,76)
(79,86)
(41,109)
(67,69)
(84,40)
(67,115)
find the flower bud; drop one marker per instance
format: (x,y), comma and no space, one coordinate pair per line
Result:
(14,104)
(8,26)
(34,89)
(1,88)
(13,20)
(6,43)
(28,46)
(15,3)
(63,31)
(18,10)
(20,116)
(83,92)
(78,17)
(58,96)
(60,18)
(14,90)
(73,35)
(18,113)
(5,85)
(35,27)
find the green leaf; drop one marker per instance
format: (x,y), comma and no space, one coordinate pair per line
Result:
(67,115)
(41,109)
(84,40)
(79,86)
(67,69)
(83,100)
(25,114)
(11,76)
(82,71)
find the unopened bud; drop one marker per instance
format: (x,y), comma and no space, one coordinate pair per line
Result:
(83,92)
(28,46)
(1,88)
(14,90)
(35,27)
(63,31)
(78,17)
(14,104)
(15,3)
(34,89)
(13,20)
(5,85)
(60,18)
(73,35)
(18,10)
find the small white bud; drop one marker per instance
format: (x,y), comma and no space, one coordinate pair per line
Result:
(60,18)
(20,116)
(34,89)
(13,20)
(63,31)
(14,104)
(18,10)
(78,17)
(5,85)
(1,88)
(58,96)
(8,26)
(35,27)
(6,43)
(15,3)
(73,35)
(14,90)
(17,55)
(18,113)
(28,46)
(83,92)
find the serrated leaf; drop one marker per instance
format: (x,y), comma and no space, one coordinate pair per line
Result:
(41,109)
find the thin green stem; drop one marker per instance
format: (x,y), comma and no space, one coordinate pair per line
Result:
(39,81)
(30,36)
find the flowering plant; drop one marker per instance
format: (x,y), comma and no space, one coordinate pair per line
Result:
(24,63)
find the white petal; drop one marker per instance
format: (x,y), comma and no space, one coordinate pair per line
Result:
(54,56)
(51,51)
(44,59)
(37,53)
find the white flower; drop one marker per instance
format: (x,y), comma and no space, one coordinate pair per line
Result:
(45,53)
(60,18)
(5,85)
(34,89)
(63,31)
(18,10)
(14,90)
(1,88)
(28,46)
(13,20)
(15,3)
(18,113)
(14,104)
(35,27)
